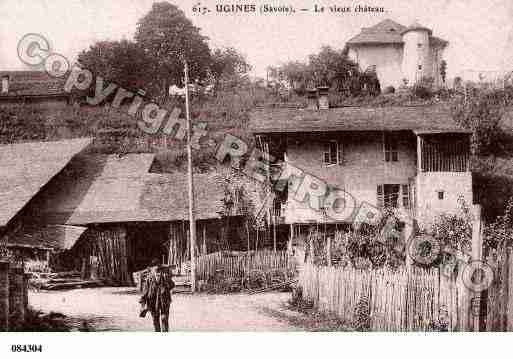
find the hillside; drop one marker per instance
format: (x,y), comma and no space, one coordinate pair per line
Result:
(117,132)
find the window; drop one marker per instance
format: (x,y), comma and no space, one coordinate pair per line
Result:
(390,148)
(419,46)
(420,67)
(440,194)
(333,154)
(388,195)
(405,189)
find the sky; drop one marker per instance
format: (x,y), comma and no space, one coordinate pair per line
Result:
(480,32)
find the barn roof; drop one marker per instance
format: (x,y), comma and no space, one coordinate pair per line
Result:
(389,32)
(26,167)
(33,84)
(397,118)
(46,237)
(108,193)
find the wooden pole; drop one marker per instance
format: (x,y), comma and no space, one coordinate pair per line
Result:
(192,222)
(477,255)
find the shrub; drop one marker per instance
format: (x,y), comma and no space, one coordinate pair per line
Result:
(454,231)
(389,90)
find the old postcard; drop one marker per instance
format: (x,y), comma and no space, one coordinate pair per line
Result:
(265,166)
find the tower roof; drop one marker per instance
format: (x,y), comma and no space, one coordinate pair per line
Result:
(390,32)
(416,26)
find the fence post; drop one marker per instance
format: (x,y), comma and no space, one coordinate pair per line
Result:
(477,255)
(4,296)
(409,232)
(16,297)
(328,250)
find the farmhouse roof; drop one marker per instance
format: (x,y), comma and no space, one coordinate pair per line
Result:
(420,119)
(26,167)
(388,32)
(33,84)
(110,194)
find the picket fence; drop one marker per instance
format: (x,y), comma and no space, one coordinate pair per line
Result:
(403,300)
(238,264)
(497,307)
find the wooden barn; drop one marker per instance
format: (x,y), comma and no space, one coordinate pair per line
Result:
(26,170)
(131,216)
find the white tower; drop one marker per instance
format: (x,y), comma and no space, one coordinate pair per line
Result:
(416,55)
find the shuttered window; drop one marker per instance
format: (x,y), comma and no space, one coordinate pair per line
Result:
(388,195)
(333,153)
(390,148)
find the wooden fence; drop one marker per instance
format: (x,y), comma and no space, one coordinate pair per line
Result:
(238,264)
(13,296)
(497,308)
(403,300)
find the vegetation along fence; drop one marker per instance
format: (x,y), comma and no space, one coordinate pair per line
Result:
(13,296)
(410,299)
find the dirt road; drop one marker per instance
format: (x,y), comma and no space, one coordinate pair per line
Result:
(116,309)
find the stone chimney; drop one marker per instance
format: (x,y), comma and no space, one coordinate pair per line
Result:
(311,98)
(324,102)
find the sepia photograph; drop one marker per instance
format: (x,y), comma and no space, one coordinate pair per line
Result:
(268,166)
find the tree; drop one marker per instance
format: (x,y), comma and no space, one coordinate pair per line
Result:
(331,68)
(122,62)
(228,66)
(297,74)
(169,37)
(481,112)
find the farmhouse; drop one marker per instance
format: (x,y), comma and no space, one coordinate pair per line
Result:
(399,54)
(414,159)
(36,88)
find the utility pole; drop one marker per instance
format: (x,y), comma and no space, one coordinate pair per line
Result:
(192,222)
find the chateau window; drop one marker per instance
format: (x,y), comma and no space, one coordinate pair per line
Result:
(390,148)
(440,195)
(420,67)
(333,153)
(388,195)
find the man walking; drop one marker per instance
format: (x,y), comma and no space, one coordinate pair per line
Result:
(156,297)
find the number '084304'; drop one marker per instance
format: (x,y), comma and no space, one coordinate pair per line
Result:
(24,348)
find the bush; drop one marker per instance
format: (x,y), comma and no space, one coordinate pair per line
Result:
(389,90)
(454,231)
(422,92)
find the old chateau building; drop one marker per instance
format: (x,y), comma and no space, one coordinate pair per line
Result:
(398,53)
